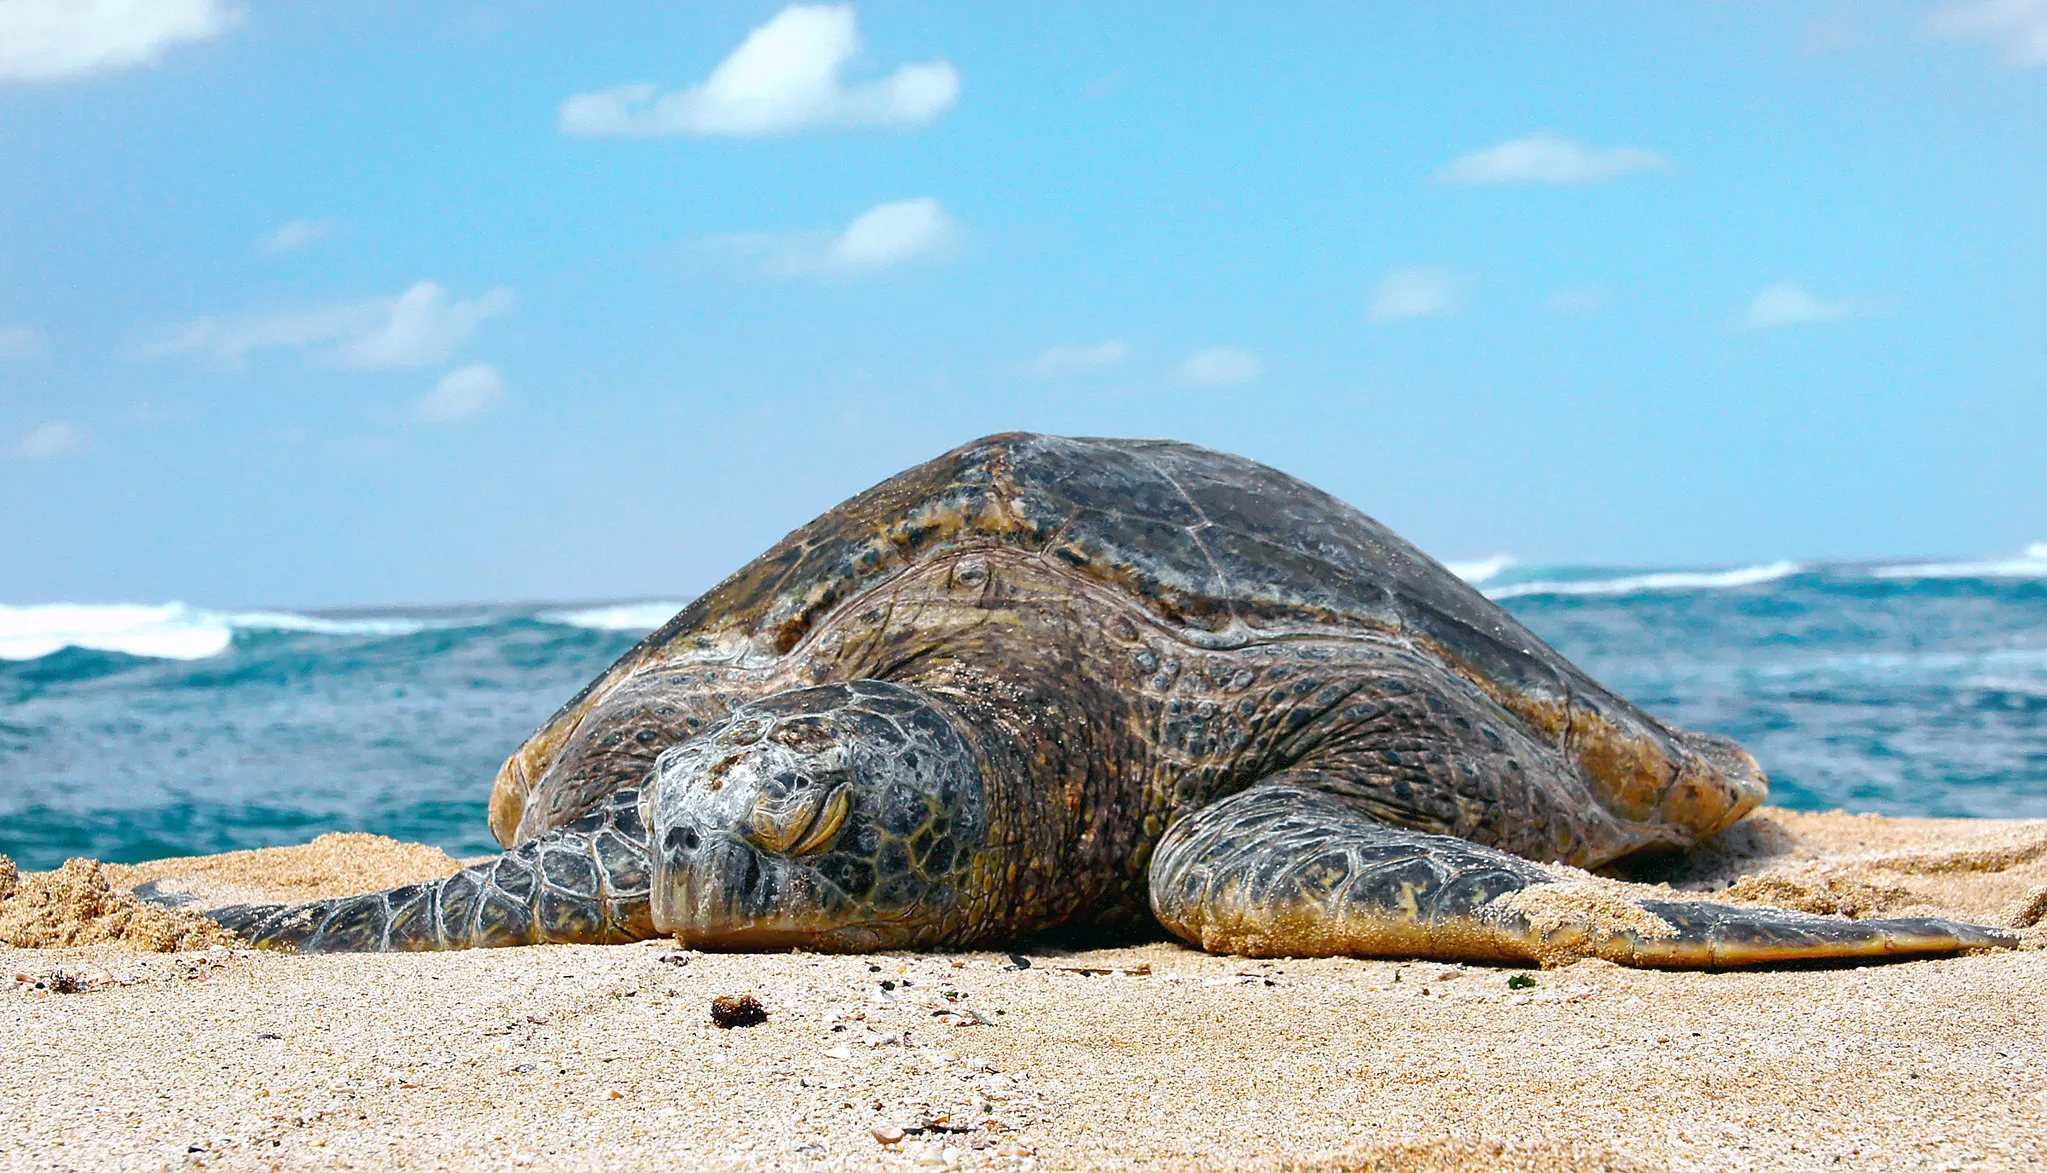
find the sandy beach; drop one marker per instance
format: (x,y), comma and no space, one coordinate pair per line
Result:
(1148,1056)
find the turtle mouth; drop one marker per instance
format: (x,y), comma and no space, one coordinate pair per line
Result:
(716,886)
(729,896)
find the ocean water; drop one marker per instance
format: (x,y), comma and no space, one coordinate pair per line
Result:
(133,732)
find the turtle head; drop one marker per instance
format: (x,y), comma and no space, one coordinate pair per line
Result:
(843,818)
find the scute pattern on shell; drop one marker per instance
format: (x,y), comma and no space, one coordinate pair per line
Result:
(1222,550)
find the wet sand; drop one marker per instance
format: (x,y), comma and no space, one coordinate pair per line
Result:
(1151,1056)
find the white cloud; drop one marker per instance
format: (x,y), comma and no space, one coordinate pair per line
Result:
(1789,304)
(56,40)
(1837,30)
(1221,366)
(893,234)
(2022,24)
(419,326)
(424,325)
(785,77)
(1062,361)
(883,237)
(462,393)
(1576,299)
(232,340)
(1545,158)
(296,234)
(17,341)
(1414,293)
(52,441)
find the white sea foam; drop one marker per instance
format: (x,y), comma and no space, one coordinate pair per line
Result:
(640,617)
(174,631)
(169,631)
(1636,584)
(1484,570)
(2031,564)
(372,625)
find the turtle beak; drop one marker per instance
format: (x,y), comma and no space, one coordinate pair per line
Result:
(701,896)
(730,896)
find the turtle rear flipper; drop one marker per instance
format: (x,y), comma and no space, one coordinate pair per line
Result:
(1286,869)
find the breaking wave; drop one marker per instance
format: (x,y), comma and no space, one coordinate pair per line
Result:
(176,631)
(2031,564)
(633,617)
(170,631)
(1636,584)
(1483,570)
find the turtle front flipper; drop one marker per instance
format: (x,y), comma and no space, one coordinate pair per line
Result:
(586,883)
(1286,869)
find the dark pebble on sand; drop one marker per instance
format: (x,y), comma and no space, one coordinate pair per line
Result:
(728,1011)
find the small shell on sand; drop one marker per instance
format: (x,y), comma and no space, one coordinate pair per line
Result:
(733,1010)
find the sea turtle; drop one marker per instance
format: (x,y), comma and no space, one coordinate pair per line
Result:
(1043,684)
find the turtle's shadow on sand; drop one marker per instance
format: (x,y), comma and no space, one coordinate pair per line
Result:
(1714,864)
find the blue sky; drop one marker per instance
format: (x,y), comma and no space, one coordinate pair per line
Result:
(330,303)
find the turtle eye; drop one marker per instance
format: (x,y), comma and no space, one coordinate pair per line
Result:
(799,823)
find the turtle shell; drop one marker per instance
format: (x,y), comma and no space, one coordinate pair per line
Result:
(1223,549)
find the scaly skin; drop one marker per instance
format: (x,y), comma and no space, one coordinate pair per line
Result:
(584,883)
(1288,869)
